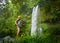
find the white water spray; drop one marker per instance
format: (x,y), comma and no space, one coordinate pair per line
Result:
(34,22)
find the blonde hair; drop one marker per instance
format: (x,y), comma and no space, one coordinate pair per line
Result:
(19,16)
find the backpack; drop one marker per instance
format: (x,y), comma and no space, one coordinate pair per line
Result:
(19,22)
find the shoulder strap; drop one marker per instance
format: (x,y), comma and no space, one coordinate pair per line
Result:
(17,20)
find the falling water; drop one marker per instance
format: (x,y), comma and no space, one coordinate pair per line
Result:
(34,20)
(34,27)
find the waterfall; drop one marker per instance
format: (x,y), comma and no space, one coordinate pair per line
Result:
(34,20)
(34,27)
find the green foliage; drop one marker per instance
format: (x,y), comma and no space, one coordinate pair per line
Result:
(48,20)
(44,26)
(50,11)
(54,29)
(29,39)
(10,14)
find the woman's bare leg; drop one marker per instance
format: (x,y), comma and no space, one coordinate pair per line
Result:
(18,31)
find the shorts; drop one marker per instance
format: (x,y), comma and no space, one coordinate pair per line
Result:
(18,27)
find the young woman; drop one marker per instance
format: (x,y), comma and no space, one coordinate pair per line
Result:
(18,24)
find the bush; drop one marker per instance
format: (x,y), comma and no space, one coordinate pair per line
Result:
(29,39)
